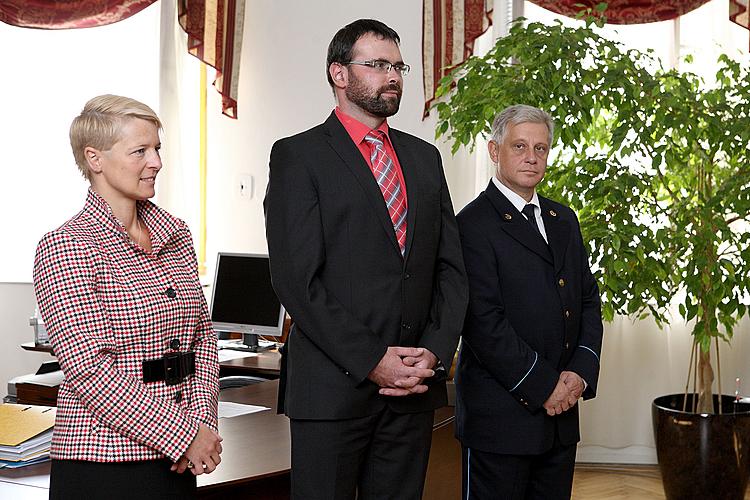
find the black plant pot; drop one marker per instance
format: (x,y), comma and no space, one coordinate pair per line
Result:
(702,456)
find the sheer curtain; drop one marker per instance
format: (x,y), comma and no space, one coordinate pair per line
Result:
(44,86)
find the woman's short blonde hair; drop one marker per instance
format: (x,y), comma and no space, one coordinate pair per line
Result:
(98,126)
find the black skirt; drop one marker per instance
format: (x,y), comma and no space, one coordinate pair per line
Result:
(148,479)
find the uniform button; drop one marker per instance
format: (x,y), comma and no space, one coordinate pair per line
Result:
(174,344)
(407,276)
(567,345)
(406,326)
(567,313)
(171,293)
(178,397)
(561,282)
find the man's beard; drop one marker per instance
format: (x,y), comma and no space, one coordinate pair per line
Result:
(375,104)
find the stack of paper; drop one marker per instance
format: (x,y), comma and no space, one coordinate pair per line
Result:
(25,434)
(227,409)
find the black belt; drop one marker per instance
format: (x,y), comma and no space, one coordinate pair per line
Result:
(172,368)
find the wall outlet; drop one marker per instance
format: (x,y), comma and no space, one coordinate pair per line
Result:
(245,185)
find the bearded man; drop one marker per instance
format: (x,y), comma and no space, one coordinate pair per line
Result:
(365,256)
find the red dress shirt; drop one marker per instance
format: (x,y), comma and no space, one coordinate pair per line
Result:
(358,130)
(104,302)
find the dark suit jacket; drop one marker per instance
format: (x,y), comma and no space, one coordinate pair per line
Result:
(337,268)
(534,311)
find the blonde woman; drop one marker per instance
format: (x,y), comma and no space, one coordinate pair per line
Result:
(118,288)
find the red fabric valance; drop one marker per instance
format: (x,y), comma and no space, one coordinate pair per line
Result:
(626,11)
(64,14)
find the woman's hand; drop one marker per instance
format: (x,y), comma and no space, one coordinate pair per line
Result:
(203,454)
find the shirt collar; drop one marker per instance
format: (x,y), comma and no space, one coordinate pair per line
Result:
(515,198)
(100,210)
(162,225)
(356,129)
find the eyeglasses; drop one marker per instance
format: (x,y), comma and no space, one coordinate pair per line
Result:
(382,66)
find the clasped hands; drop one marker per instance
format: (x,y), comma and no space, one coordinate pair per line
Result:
(402,370)
(203,454)
(569,388)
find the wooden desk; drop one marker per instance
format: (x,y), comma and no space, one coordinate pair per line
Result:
(31,346)
(26,483)
(255,461)
(266,364)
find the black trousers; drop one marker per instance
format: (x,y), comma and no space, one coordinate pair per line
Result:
(148,479)
(494,476)
(378,457)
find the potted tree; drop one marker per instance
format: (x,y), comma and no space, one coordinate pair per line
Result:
(655,161)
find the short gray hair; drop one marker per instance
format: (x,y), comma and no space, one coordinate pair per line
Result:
(520,113)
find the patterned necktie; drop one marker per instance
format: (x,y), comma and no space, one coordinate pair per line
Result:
(385,174)
(528,211)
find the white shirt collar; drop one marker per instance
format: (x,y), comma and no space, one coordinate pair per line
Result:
(516,199)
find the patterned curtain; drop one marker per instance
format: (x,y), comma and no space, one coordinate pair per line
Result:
(449,28)
(627,11)
(738,12)
(64,14)
(214,29)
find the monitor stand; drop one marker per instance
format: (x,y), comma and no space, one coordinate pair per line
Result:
(250,341)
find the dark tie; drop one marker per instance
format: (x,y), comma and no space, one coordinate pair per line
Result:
(528,211)
(385,174)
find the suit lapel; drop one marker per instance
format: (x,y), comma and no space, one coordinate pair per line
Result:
(409,169)
(558,232)
(342,144)
(515,225)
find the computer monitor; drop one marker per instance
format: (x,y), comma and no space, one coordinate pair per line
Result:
(243,299)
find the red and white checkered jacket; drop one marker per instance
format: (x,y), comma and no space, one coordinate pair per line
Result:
(104,302)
